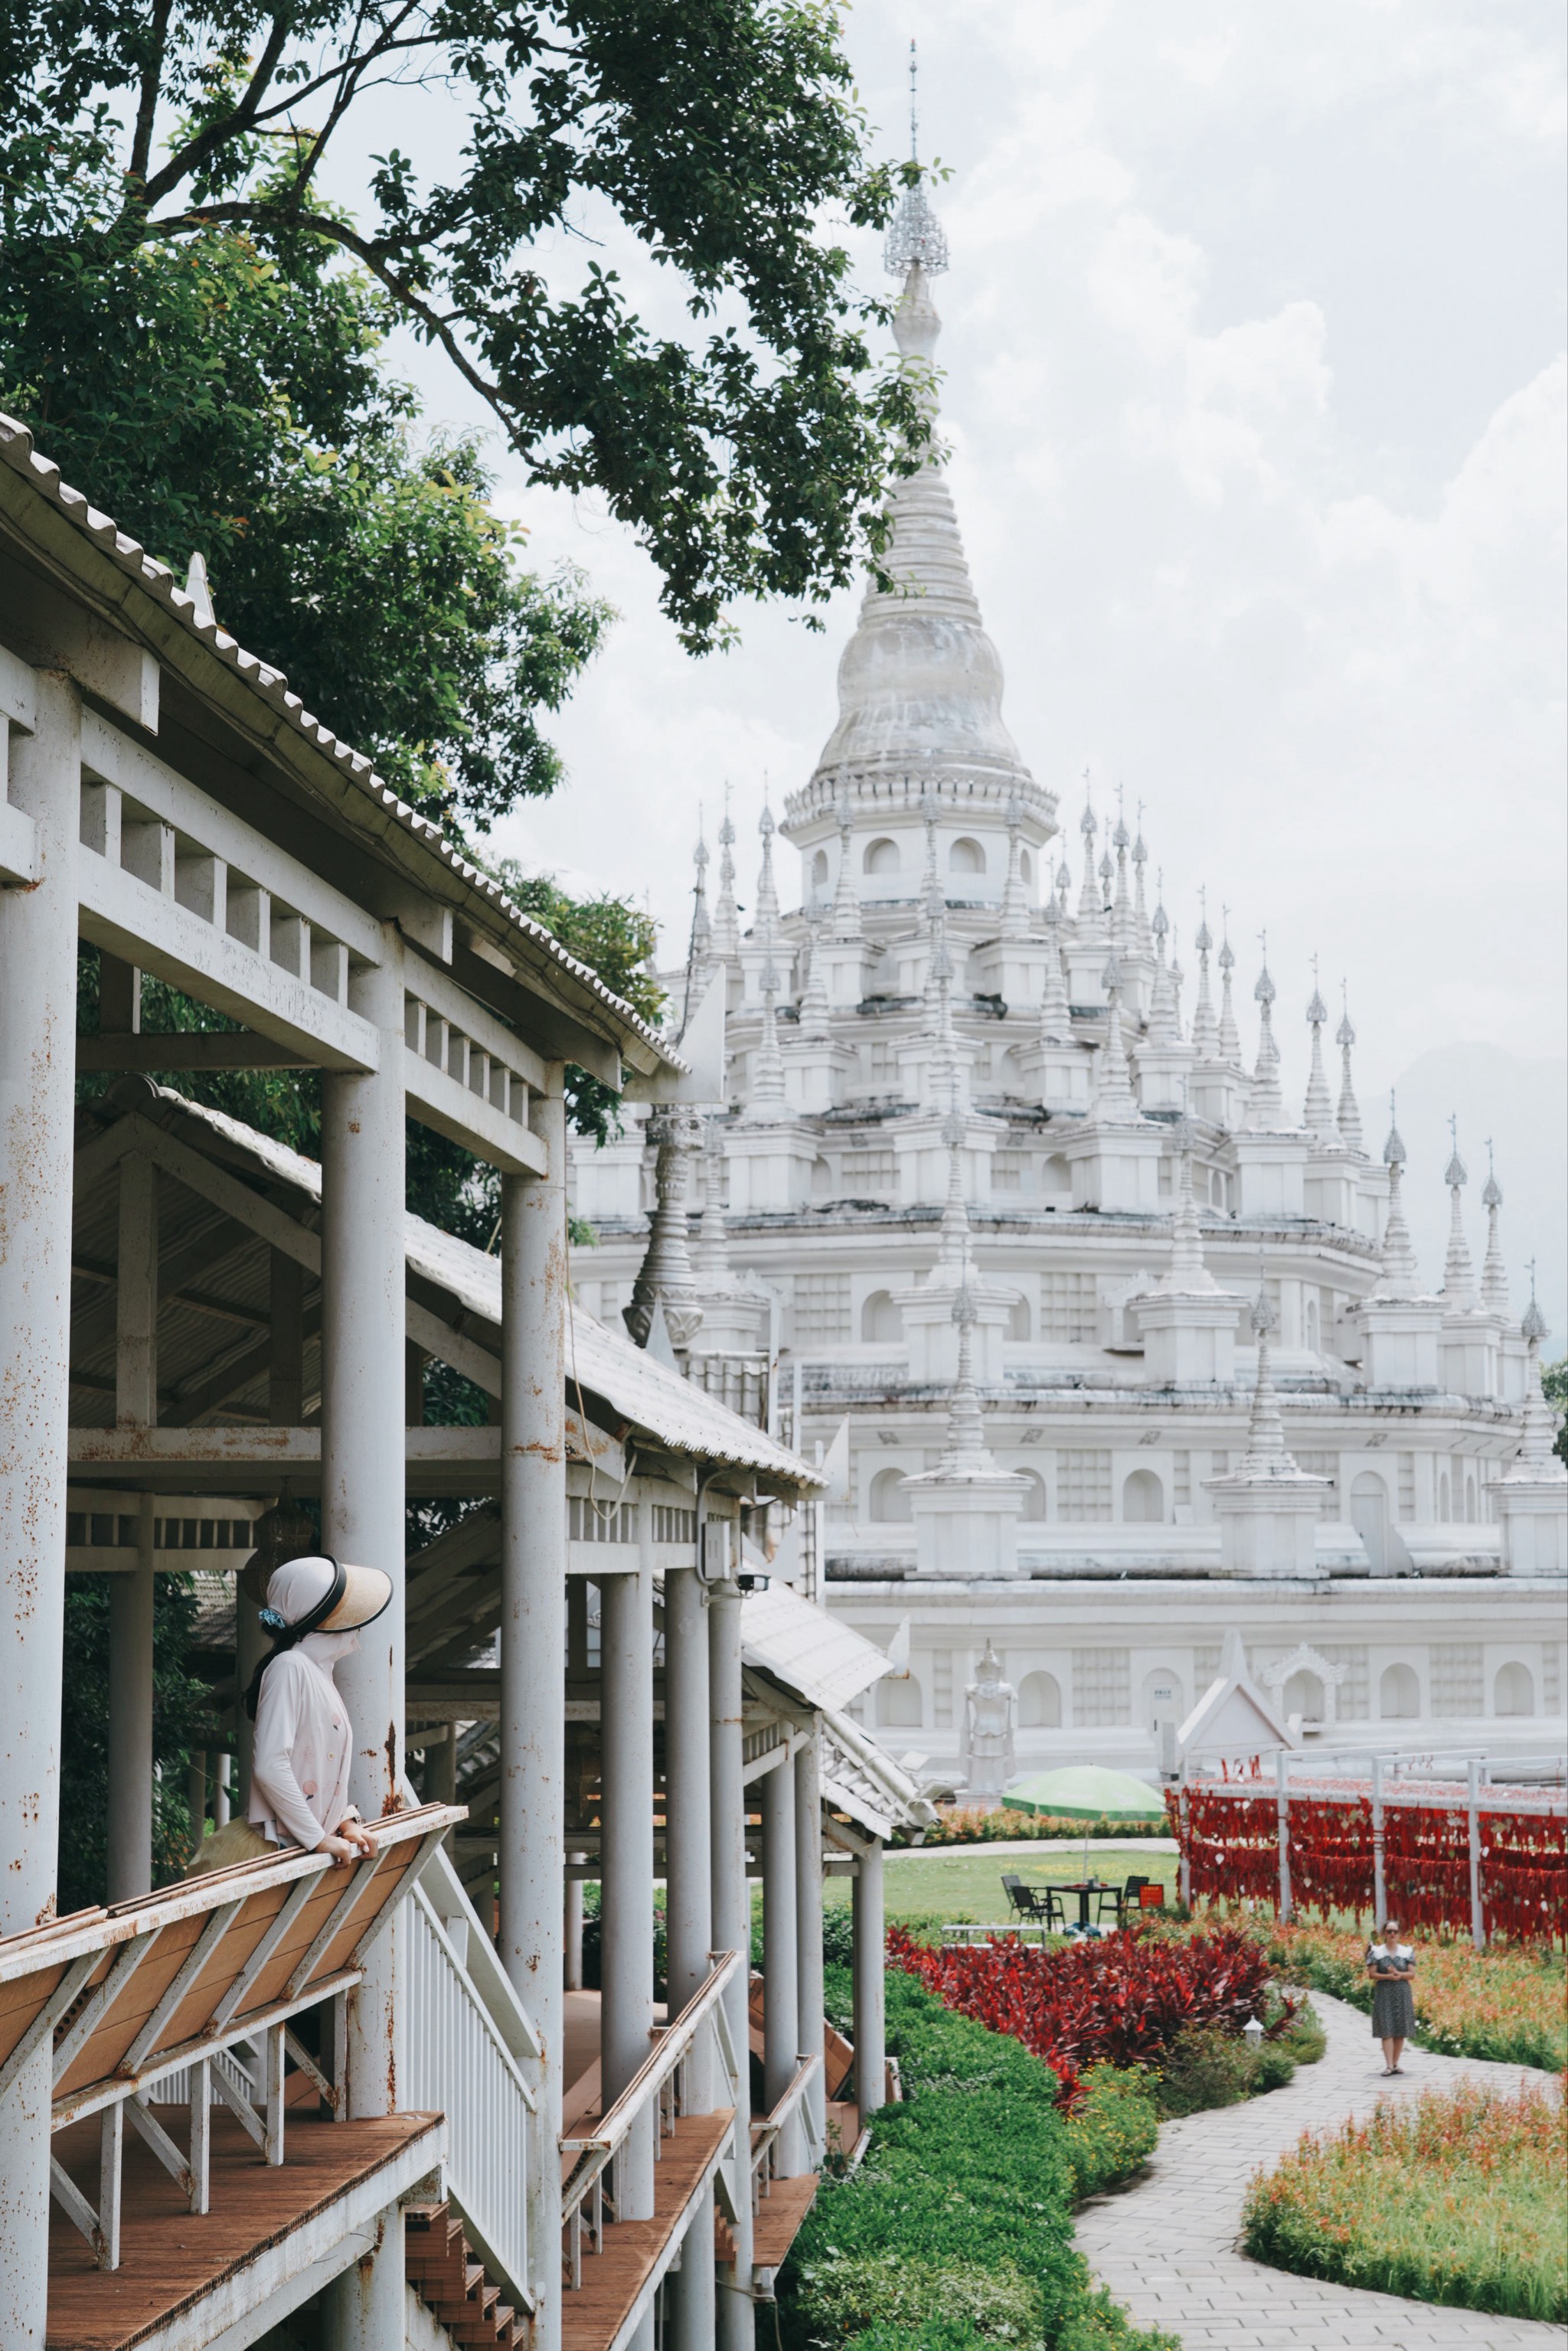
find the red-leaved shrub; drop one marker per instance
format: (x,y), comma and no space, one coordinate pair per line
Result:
(1120,2000)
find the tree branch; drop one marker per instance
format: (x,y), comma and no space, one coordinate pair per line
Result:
(191,157)
(147,101)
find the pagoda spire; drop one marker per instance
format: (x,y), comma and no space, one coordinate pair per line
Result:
(1177,977)
(1348,1116)
(846,914)
(1122,927)
(767,888)
(1265,1104)
(1164,1028)
(725,913)
(1205,1028)
(1114,1102)
(1266,1454)
(954,1243)
(1537,1454)
(1055,1014)
(965,1448)
(1063,889)
(1397,1273)
(1090,908)
(1317,1114)
(1494,1273)
(815,1010)
(1014,897)
(1229,1035)
(1188,1276)
(768,1099)
(1459,1273)
(1140,909)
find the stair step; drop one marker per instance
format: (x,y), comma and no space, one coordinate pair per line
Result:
(440,2265)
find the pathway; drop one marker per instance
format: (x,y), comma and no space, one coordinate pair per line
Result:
(1166,2246)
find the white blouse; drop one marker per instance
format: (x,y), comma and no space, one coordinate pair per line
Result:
(303,1745)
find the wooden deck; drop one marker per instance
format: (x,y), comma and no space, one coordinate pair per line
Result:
(777,2221)
(612,2280)
(170,2257)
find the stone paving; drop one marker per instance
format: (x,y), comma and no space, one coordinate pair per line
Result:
(1167,2245)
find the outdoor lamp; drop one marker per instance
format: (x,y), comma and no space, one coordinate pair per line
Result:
(1252,2033)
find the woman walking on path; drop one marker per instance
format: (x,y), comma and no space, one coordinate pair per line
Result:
(1391,1967)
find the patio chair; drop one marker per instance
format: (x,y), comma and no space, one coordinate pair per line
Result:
(1118,1900)
(1037,1904)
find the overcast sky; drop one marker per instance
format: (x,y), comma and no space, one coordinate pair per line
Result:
(1254,352)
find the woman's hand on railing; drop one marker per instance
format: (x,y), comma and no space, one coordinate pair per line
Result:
(351,1843)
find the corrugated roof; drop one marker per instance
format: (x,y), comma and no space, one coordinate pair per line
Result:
(43,475)
(648,1396)
(819,1657)
(860,1778)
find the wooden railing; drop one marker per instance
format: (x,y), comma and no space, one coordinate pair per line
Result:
(661,2083)
(172,1992)
(764,2145)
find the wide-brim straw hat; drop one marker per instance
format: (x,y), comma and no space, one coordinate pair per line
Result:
(300,1585)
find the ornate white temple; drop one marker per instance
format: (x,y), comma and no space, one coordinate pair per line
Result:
(1112,1350)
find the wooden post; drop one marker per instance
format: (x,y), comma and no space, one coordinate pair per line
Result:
(1477,1917)
(38,1078)
(534,1652)
(1283,1766)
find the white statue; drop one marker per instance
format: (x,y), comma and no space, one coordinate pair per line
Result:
(989,1762)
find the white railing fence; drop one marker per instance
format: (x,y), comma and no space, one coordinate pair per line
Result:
(765,2146)
(470,2052)
(662,2083)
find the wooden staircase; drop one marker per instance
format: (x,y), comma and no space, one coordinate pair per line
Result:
(451,2282)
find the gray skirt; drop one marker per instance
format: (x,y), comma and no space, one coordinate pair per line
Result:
(1393,2010)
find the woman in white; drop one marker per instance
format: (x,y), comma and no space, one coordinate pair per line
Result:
(304,1741)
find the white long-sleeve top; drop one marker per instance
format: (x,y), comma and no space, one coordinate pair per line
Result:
(303,1744)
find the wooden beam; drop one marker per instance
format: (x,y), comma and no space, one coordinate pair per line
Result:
(200,1049)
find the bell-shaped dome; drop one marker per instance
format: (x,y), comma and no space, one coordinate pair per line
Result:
(920,683)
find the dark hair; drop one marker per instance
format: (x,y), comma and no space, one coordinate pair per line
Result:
(284,1637)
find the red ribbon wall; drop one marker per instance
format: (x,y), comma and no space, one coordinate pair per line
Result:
(1230,1845)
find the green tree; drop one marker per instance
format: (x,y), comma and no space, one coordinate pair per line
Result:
(211,400)
(749,453)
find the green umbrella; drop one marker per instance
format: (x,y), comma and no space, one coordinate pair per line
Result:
(1083,1792)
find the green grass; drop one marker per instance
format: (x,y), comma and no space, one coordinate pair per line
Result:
(965,1882)
(1458,2199)
(956,2232)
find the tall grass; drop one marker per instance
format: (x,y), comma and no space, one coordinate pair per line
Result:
(1508,2003)
(1457,2198)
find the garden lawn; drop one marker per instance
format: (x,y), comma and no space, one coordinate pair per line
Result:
(965,1882)
(1458,2199)
(956,2232)
(1510,2002)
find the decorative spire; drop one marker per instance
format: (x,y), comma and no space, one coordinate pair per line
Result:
(1115,1103)
(1265,1104)
(1014,897)
(1317,1114)
(1163,1028)
(1537,1457)
(1397,1276)
(769,1092)
(1494,1273)
(915,236)
(725,913)
(701,954)
(966,1446)
(955,1244)
(713,1234)
(1205,1028)
(664,1277)
(1090,896)
(1055,1014)
(1063,889)
(1121,924)
(1459,1273)
(1348,1116)
(1188,1276)
(846,914)
(1177,977)
(1266,1455)
(1140,909)
(815,1010)
(767,889)
(1229,1035)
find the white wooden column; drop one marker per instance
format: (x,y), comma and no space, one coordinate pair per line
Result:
(809,1992)
(688,1864)
(735,2327)
(533,1652)
(130,1826)
(362,1331)
(37,1071)
(868,1956)
(780,1958)
(626,1877)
